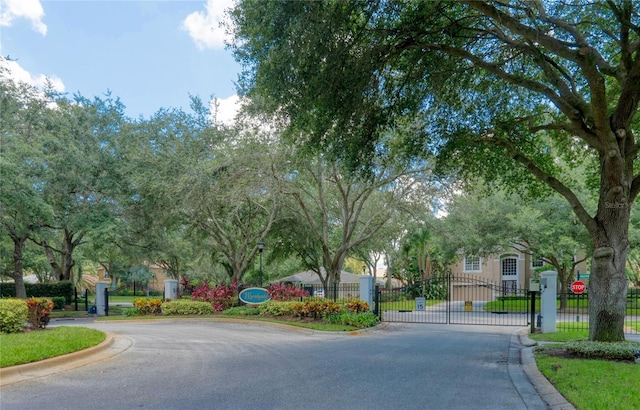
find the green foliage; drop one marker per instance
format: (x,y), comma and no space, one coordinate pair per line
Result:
(627,350)
(429,78)
(148,306)
(242,311)
(52,289)
(359,320)
(59,302)
(13,315)
(277,308)
(186,307)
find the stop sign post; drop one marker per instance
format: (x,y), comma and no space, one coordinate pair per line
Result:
(578,287)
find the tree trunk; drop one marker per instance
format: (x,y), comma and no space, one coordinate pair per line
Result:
(608,281)
(607,293)
(18,247)
(68,247)
(51,258)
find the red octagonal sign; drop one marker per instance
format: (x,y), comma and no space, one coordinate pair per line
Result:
(578,287)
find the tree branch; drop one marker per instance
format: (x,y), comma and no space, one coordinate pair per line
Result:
(550,181)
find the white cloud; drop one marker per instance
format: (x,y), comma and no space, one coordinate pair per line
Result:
(19,74)
(227,109)
(29,9)
(204,27)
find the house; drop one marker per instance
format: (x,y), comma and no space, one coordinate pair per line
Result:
(509,271)
(156,284)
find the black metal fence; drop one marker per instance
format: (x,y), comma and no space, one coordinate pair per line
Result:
(335,291)
(573,312)
(456,299)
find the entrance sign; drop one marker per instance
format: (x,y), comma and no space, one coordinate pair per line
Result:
(254,296)
(578,287)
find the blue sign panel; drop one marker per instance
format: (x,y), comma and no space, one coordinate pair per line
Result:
(254,296)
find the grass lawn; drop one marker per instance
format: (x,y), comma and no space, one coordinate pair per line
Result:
(588,383)
(21,348)
(593,384)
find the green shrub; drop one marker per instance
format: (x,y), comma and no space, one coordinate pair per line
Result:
(131,312)
(186,307)
(601,350)
(242,311)
(148,306)
(359,320)
(13,315)
(277,308)
(49,290)
(59,302)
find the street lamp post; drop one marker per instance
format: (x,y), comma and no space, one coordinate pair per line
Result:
(260,249)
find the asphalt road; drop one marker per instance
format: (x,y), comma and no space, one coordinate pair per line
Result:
(225,365)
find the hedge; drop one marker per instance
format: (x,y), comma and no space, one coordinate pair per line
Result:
(13,315)
(53,289)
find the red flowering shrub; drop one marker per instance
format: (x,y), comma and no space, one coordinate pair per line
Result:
(357,306)
(148,306)
(186,286)
(39,311)
(221,296)
(286,292)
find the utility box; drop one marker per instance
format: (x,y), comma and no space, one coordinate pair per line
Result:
(549,294)
(101,298)
(170,289)
(534,286)
(366,290)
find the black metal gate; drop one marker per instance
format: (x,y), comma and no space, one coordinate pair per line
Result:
(459,299)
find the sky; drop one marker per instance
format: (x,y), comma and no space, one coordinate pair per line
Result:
(150,54)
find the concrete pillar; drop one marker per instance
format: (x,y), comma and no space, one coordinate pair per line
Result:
(101,305)
(548,300)
(170,289)
(366,289)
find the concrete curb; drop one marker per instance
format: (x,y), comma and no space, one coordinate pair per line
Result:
(546,390)
(111,346)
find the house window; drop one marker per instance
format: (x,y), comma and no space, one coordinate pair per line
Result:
(508,266)
(472,263)
(509,287)
(536,261)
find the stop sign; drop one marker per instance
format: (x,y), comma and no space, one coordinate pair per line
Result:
(578,287)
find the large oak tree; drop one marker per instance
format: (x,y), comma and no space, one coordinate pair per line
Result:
(498,88)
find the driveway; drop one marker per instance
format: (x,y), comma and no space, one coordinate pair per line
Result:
(204,364)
